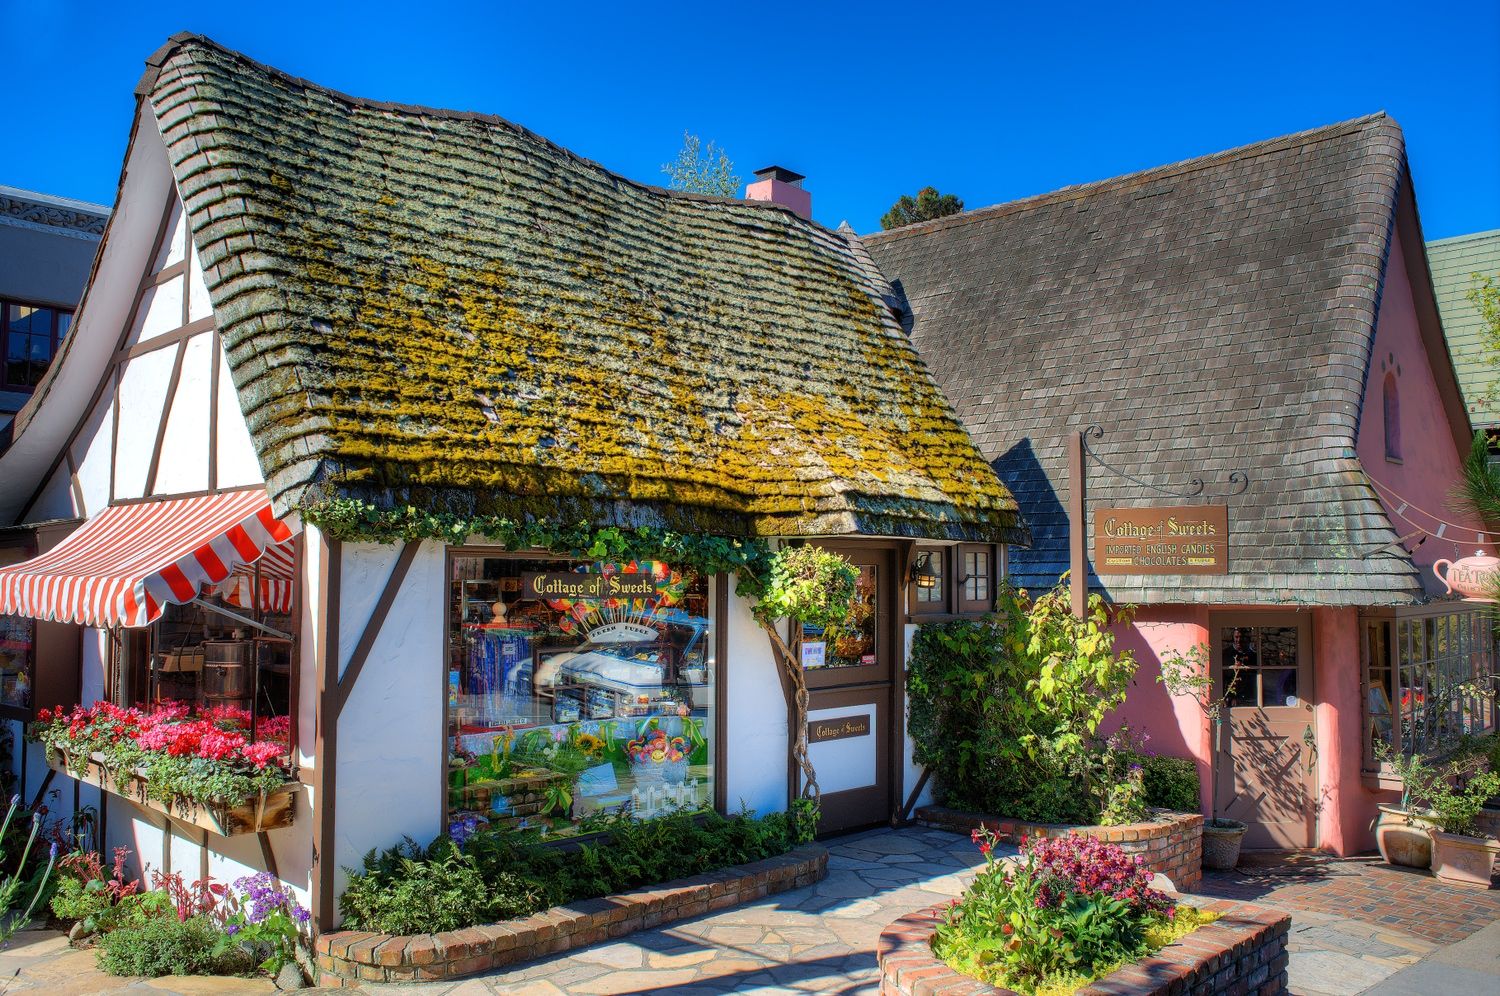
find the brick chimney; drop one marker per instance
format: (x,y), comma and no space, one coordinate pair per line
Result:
(781,186)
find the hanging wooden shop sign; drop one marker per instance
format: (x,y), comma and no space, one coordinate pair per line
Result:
(564,584)
(819,730)
(1169,539)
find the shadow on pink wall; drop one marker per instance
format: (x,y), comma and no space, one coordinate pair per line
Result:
(1172,725)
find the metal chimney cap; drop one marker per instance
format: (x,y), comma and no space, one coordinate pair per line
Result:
(780,173)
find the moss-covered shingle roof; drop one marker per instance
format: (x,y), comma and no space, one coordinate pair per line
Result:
(443,309)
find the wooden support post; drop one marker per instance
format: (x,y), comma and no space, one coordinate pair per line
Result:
(1078,564)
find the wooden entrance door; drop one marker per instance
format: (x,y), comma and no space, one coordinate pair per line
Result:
(1268,748)
(850,672)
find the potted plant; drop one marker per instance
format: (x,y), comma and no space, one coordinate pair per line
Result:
(1459,853)
(1401,829)
(1190,674)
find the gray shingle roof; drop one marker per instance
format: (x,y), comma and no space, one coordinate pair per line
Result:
(1454,262)
(444,309)
(1213,316)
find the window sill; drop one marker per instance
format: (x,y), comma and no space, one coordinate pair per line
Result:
(1380,781)
(1393,459)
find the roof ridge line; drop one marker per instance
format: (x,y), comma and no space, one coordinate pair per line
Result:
(157,59)
(1181,167)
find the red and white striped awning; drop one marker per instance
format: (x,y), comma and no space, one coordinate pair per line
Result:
(124,565)
(275,569)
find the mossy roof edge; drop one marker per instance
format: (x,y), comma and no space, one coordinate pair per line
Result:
(444,306)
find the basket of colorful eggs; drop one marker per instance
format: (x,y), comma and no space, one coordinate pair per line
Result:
(656,758)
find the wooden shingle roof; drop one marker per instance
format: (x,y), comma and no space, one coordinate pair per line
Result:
(1213,316)
(443,309)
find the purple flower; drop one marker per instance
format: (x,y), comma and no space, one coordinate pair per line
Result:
(231,928)
(300,915)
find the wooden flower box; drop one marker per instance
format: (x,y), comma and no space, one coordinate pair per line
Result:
(271,810)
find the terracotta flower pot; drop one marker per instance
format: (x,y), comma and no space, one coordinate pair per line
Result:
(1402,838)
(1221,843)
(1463,860)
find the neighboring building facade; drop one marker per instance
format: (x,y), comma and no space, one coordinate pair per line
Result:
(1262,321)
(47,245)
(1455,262)
(309,307)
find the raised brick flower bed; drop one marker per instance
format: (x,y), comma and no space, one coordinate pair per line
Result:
(1243,952)
(1171,842)
(350,956)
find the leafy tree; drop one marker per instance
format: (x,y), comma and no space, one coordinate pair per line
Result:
(1484,294)
(927,205)
(702,169)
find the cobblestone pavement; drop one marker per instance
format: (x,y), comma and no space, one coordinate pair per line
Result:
(1355,921)
(1355,924)
(819,939)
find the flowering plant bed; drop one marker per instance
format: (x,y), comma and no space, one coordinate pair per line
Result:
(1171,842)
(1077,915)
(204,770)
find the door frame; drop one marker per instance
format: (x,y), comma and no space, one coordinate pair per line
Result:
(1302,621)
(890,614)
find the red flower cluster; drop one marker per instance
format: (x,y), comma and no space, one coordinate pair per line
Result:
(1087,866)
(219,733)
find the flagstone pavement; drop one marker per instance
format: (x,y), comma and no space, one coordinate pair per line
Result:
(1353,928)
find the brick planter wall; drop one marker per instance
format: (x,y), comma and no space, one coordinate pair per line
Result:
(1171,842)
(349,956)
(1241,953)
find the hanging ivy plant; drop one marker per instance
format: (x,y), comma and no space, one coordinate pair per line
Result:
(354,520)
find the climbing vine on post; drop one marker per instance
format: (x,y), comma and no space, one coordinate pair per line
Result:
(809,586)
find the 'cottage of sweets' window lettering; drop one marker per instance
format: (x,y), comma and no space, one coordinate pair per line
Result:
(577,690)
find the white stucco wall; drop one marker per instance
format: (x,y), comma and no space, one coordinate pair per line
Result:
(756,728)
(184,460)
(391,766)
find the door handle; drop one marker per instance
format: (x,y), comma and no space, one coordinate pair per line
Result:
(1310,741)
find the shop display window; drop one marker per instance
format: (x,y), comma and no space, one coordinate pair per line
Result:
(577,691)
(17,653)
(850,643)
(211,655)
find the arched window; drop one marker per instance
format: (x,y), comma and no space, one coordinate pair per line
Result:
(1392,399)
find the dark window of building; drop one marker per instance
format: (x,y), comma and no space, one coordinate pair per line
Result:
(1392,399)
(976,577)
(32,334)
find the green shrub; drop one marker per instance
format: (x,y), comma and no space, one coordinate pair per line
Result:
(165,945)
(407,891)
(1171,783)
(1006,711)
(502,874)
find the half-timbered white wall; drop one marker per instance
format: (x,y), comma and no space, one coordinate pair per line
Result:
(166,422)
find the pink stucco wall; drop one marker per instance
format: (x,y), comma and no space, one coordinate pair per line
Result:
(1346,808)
(1175,725)
(1430,459)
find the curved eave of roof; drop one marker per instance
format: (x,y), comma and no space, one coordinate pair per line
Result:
(442,309)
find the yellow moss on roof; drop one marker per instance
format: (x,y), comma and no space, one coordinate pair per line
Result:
(444,309)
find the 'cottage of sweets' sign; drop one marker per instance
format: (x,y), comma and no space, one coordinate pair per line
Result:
(1180,539)
(567,585)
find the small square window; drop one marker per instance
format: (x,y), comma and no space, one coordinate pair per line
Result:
(976,578)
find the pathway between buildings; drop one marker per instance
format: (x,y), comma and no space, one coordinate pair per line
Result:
(1356,924)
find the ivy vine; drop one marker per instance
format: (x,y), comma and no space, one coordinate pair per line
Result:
(355,520)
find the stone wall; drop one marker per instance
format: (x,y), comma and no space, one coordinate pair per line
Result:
(1241,953)
(347,957)
(1171,842)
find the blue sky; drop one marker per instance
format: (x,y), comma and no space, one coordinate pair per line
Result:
(871,100)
